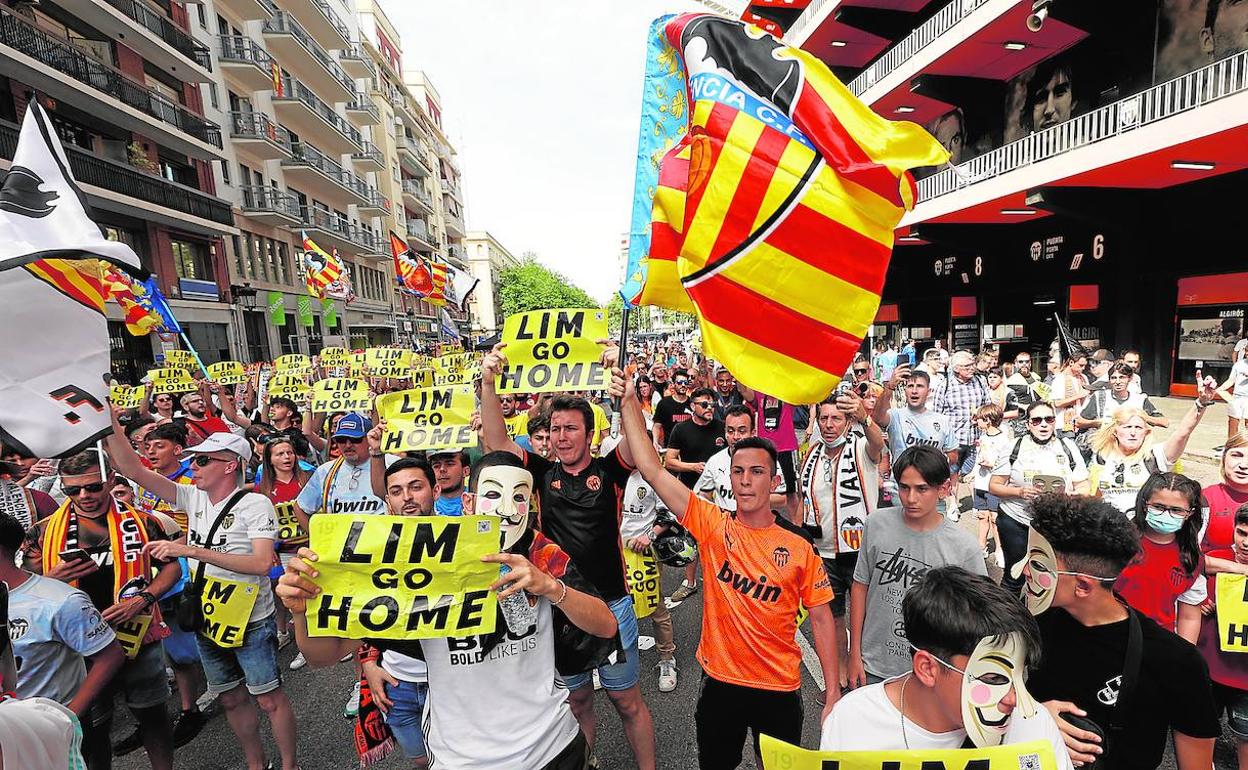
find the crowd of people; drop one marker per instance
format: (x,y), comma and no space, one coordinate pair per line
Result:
(979,555)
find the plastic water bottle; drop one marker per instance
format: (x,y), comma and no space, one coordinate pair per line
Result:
(517,612)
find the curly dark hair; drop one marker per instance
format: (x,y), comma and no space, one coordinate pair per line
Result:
(950,610)
(1089,534)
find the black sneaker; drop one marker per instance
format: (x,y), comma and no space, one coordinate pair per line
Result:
(128,744)
(186,725)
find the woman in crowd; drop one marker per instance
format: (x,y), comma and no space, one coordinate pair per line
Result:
(1222,500)
(1125,453)
(281,480)
(1166,580)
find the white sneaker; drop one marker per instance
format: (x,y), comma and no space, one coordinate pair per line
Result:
(298,663)
(667,675)
(352,708)
(205,701)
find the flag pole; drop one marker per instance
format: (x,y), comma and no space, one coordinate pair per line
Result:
(186,341)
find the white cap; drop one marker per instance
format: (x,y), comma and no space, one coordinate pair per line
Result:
(221,442)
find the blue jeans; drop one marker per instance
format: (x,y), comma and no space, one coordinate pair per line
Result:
(622,674)
(404,716)
(254,663)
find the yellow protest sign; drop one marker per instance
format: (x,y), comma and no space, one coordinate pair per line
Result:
(292,386)
(1232,609)
(292,362)
(428,418)
(227,373)
(125,397)
(1035,755)
(451,378)
(642,571)
(403,577)
(422,378)
(554,350)
(172,380)
(227,609)
(334,358)
(130,633)
(181,358)
(288,527)
(386,362)
(340,394)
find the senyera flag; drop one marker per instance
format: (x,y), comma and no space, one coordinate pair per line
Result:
(319,269)
(52,388)
(773,214)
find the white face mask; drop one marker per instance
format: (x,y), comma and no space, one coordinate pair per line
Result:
(1042,573)
(996,666)
(507,492)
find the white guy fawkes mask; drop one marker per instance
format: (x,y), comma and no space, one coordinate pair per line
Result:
(996,665)
(507,492)
(1042,573)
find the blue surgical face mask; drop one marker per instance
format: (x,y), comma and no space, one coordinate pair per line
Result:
(1164,522)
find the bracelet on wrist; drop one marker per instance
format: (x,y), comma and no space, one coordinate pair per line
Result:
(563,595)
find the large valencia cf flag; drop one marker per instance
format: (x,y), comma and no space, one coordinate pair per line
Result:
(54,347)
(775,210)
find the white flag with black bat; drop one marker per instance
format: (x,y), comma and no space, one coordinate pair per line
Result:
(54,350)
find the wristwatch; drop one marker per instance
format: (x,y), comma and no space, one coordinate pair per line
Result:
(148,599)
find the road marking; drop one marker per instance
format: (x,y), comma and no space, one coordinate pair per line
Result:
(810,659)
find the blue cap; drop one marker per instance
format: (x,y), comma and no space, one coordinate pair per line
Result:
(353,426)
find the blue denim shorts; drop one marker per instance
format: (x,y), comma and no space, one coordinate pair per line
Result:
(1235,703)
(405,715)
(624,673)
(254,663)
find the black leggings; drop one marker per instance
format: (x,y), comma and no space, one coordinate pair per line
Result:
(726,711)
(575,756)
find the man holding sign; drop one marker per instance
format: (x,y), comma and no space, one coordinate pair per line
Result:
(580,498)
(229,548)
(495,703)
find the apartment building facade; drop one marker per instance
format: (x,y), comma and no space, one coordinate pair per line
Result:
(487,259)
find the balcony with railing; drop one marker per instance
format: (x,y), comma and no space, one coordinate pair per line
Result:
(28,52)
(454,224)
(451,189)
(319,171)
(414,192)
(412,155)
(1120,131)
(257,134)
(377,204)
(270,206)
(153,193)
(158,34)
(371,159)
(247,10)
(355,62)
(362,110)
(318,18)
(418,236)
(302,55)
(298,107)
(337,232)
(245,61)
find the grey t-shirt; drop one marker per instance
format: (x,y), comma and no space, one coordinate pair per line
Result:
(53,627)
(892,559)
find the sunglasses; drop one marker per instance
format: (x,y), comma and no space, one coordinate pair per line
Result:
(346,440)
(680,382)
(860,371)
(1042,420)
(203,461)
(72,490)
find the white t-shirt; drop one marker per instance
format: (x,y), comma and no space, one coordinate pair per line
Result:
(1239,372)
(1120,481)
(1240,346)
(638,508)
(1038,460)
(404,667)
(1064,386)
(350,492)
(866,720)
(716,479)
(252,518)
(39,733)
(502,713)
(994,449)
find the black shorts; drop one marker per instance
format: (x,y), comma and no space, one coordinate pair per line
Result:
(726,711)
(788,470)
(841,575)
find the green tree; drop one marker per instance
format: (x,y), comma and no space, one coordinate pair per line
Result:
(533,286)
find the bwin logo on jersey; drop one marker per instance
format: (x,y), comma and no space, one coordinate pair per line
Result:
(20,194)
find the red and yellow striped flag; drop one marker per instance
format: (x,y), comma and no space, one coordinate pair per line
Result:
(127,293)
(776,210)
(78,279)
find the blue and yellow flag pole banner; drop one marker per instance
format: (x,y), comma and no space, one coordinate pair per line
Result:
(773,214)
(1036,755)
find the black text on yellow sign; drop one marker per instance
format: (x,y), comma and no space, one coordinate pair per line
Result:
(288,527)
(181,358)
(403,577)
(341,394)
(554,350)
(428,418)
(172,380)
(642,571)
(125,397)
(1036,755)
(1232,610)
(227,610)
(387,362)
